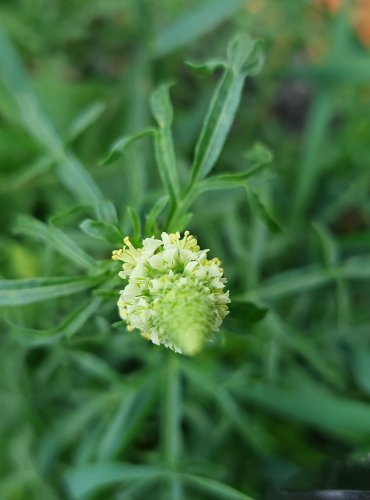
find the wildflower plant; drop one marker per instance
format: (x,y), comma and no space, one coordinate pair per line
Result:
(174,293)
(92,410)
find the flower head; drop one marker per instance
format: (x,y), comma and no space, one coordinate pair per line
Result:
(175,296)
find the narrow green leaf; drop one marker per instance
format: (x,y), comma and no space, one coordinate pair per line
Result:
(138,490)
(259,208)
(94,366)
(307,402)
(290,339)
(136,225)
(118,147)
(360,364)
(291,282)
(151,218)
(30,172)
(106,212)
(84,120)
(70,171)
(223,181)
(70,215)
(259,157)
(243,54)
(195,22)
(88,479)
(353,69)
(56,239)
(183,221)
(113,437)
(104,231)
(317,124)
(329,247)
(67,328)
(162,111)
(208,67)
(243,315)
(161,106)
(145,401)
(215,488)
(75,321)
(247,426)
(310,278)
(28,291)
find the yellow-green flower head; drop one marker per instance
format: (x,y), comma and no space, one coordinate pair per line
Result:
(175,296)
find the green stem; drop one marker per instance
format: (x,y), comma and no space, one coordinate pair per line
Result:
(188,197)
(172,423)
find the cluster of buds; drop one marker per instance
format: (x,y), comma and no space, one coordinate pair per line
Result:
(175,296)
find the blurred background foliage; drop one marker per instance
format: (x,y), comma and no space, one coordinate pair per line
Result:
(90,411)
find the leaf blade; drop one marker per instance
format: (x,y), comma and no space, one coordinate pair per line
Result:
(193,24)
(71,172)
(28,291)
(55,238)
(162,111)
(243,52)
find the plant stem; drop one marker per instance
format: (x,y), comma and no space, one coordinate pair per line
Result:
(172,422)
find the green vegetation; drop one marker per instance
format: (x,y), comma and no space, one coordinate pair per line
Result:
(246,123)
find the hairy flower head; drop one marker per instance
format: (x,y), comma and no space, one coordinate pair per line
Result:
(175,296)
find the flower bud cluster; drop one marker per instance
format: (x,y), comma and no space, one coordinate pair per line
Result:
(175,296)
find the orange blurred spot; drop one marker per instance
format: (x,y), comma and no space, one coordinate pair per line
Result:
(362,21)
(331,5)
(360,16)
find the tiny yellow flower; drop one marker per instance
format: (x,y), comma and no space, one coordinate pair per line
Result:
(175,296)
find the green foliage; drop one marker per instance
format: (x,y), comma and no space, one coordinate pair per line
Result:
(270,173)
